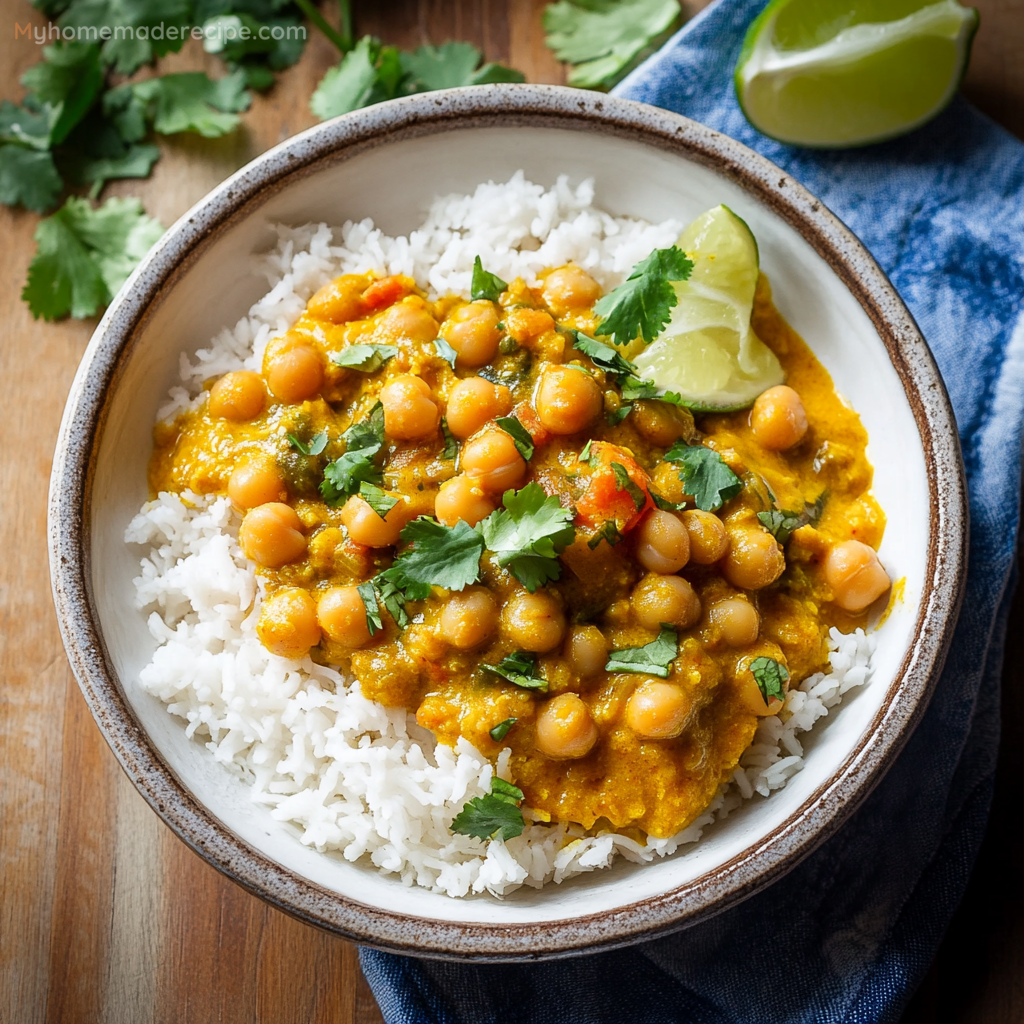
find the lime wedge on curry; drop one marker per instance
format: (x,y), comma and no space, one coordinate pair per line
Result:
(850,72)
(709,353)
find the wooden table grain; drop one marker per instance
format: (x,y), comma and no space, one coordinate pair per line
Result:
(105,917)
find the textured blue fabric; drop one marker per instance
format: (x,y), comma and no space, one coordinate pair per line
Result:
(850,932)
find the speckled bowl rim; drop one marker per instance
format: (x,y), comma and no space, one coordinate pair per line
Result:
(488,106)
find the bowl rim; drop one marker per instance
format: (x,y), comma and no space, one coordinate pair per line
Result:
(517,105)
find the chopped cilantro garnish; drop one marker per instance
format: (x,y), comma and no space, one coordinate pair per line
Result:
(624,483)
(437,556)
(495,815)
(314,447)
(635,389)
(665,505)
(641,305)
(485,285)
(615,365)
(584,455)
(781,523)
(364,358)
(771,677)
(519,668)
(358,465)
(652,659)
(369,596)
(379,500)
(615,418)
(367,432)
(500,731)
(446,352)
(528,534)
(393,599)
(705,475)
(519,434)
(609,531)
(451,444)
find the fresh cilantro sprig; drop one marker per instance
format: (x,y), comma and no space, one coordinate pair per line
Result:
(492,816)
(652,659)
(314,447)
(528,534)
(623,482)
(617,366)
(358,465)
(781,523)
(437,556)
(642,304)
(771,677)
(446,352)
(485,285)
(520,669)
(608,532)
(519,434)
(378,499)
(500,731)
(705,475)
(374,623)
(364,358)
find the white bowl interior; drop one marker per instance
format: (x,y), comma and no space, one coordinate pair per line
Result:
(394,185)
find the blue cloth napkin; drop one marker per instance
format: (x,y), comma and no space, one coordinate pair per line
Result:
(848,934)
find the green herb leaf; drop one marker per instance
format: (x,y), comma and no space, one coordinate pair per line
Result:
(500,731)
(379,500)
(29,125)
(781,524)
(665,505)
(452,65)
(705,475)
(368,73)
(84,255)
(393,599)
(451,444)
(615,418)
(624,483)
(315,447)
(492,816)
(68,79)
(485,285)
(364,358)
(771,677)
(609,532)
(367,432)
(652,659)
(634,389)
(29,177)
(438,556)
(519,434)
(520,669)
(528,534)
(369,596)
(617,366)
(641,306)
(446,352)
(358,465)
(584,455)
(604,40)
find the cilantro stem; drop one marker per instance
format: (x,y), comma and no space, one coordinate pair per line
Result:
(342,42)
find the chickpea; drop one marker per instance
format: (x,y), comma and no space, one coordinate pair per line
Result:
(657,711)
(778,419)
(288,625)
(534,622)
(586,650)
(469,618)
(294,371)
(473,402)
(570,288)
(366,527)
(472,330)
(754,559)
(410,411)
(339,300)
(271,535)
(342,616)
(665,599)
(463,498)
(567,399)
(256,482)
(407,321)
(565,728)
(855,574)
(493,460)
(238,396)
(708,537)
(736,620)
(662,424)
(662,543)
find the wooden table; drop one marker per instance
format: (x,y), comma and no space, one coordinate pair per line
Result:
(106,916)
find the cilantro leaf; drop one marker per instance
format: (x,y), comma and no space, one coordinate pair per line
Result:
(393,599)
(519,434)
(617,366)
(500,731)
(665,505)
(705,475)
(781,524)
(615,418)
(28,125)
(358,465)
(451,444)
(641,305)
(364,358)
(368,73)
(438,556)
(367,432)
(259,55)
(379,500)
(584,455)
(624,483)
(485,285)
(446,352)
(84,255)
(521,669)
(528,534)
(29,177)
(609,532)
(369,596)
(495,815)
(771,677)
(68,79)
(635,389)
(451,65)
(652,659)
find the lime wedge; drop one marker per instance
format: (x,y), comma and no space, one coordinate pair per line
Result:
(850,72)
(709,353)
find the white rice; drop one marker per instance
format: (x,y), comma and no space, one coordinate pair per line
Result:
(349,774)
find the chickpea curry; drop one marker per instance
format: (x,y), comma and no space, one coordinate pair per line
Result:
(480,511)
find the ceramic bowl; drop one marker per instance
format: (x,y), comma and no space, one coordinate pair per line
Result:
(388,163)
